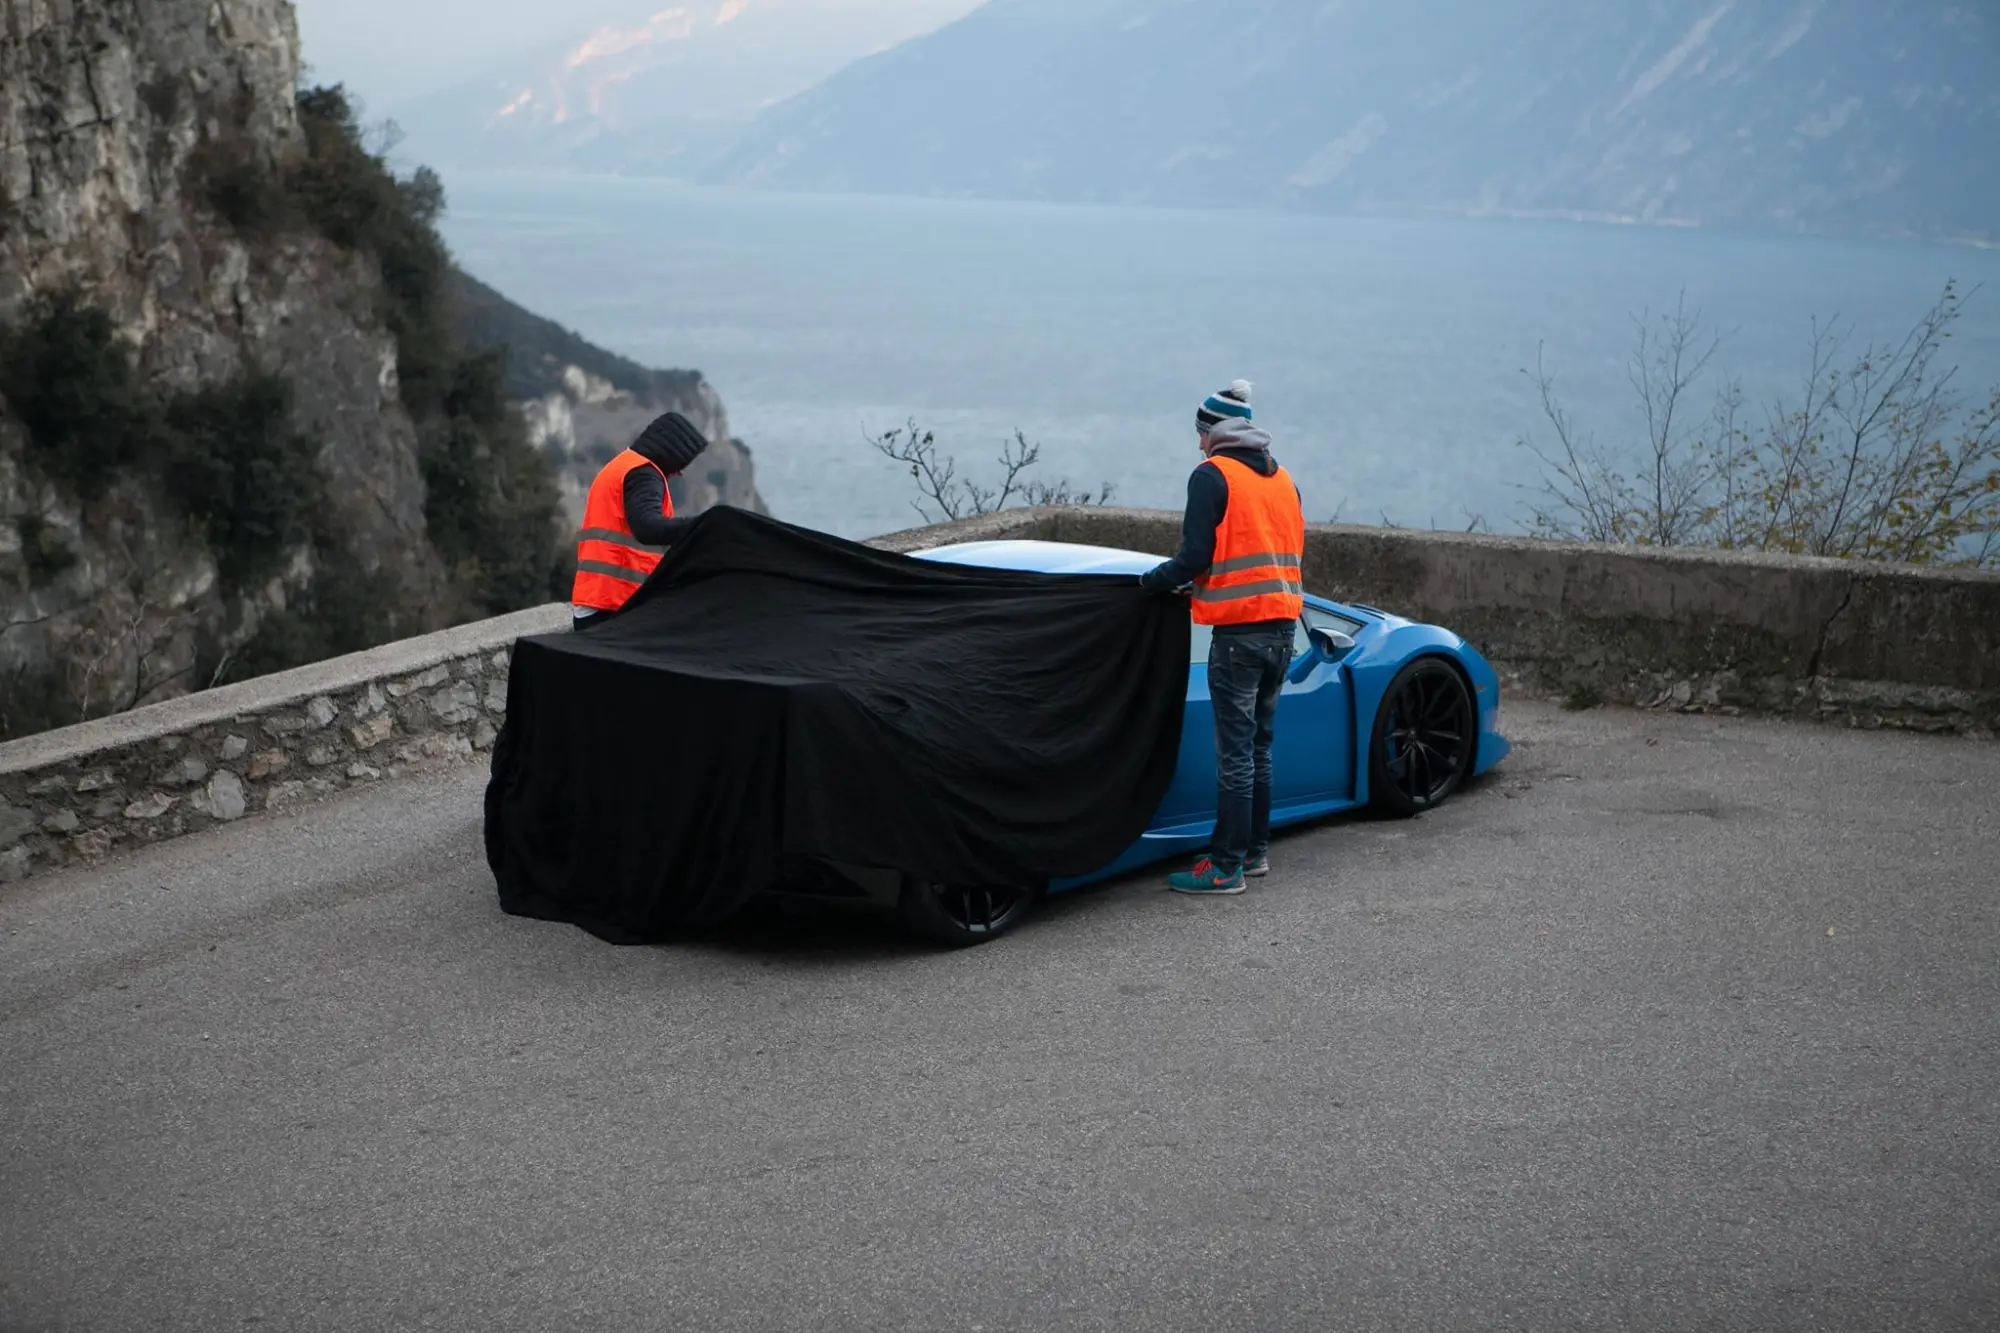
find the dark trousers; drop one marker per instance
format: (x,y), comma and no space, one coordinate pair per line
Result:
(1246,672)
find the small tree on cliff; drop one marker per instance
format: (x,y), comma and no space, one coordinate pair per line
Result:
(490,504)
(1879,457)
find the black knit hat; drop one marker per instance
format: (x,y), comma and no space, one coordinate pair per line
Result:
(671,441)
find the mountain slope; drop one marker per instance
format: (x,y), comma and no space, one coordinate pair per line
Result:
(654,91)
(1836,115)
(582,404)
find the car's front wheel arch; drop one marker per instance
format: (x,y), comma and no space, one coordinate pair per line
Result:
(1394,787)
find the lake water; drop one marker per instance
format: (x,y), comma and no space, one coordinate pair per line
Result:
(1386,354)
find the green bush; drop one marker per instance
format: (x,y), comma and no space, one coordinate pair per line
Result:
(226,174)
(352,198)
(34,701)
(161,95)
(226,455)
(490,504)
(43,549)
(68,376)
(1583,698)
(237,468)
(345,609)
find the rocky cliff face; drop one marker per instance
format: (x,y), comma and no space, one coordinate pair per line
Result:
(104,106)
(580,426)
(157,171)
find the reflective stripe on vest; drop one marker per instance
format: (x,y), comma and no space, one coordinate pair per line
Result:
(611,563)
(1259,551)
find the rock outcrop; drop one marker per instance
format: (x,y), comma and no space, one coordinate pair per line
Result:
(581,425)
(583,404)
(105,106)
(160,171)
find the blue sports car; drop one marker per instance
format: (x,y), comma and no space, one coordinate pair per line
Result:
(1379,712)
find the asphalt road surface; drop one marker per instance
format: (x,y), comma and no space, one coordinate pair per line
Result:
(1671,1023)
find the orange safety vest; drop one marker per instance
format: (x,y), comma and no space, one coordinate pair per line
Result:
(1260,546)
(611,563)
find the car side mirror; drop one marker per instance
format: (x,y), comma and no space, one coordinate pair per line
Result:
(1333,644)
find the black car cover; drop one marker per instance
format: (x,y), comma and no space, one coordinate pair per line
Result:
(773,693)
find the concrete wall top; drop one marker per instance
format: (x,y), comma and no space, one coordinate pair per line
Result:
(1620,620)
(1146,527)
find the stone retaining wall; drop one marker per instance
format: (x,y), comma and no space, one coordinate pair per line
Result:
(82,792)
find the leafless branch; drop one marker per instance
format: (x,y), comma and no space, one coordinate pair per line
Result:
(936,477)
(1662,372)
(946,495)
(1909,476)
(1581,488)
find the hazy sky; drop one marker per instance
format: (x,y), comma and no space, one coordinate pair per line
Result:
(389,51)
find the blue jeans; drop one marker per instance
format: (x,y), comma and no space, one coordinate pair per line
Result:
(1246,671)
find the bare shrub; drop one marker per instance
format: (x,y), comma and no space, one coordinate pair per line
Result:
(945,494)
(1878,457)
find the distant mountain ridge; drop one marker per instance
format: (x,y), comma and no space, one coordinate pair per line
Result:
(1847,116)
(660,87)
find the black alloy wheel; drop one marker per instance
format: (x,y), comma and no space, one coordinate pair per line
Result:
(1422,745)
(960,915)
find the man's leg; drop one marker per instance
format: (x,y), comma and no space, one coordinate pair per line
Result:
(1235,671)
(1276,655)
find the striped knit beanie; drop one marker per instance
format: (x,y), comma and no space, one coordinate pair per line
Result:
(1233,401)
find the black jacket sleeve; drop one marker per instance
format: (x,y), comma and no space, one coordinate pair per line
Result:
(645,508)
(1207,502)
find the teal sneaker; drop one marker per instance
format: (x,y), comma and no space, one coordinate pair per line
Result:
(1206,878)
(1257,866)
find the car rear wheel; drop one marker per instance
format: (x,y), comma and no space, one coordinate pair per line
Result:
(1421,748)
(960,915)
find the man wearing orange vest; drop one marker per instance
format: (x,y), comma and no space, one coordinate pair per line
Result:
(628,519)
(1243,545)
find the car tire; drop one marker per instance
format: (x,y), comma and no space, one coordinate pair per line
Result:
(1421,746)
(959,917)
